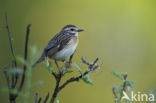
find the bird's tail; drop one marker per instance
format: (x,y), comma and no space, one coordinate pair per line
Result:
(39,60)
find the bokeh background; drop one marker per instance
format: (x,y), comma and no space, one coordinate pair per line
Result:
(122,33)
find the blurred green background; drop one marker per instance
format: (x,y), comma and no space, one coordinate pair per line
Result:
(122,33)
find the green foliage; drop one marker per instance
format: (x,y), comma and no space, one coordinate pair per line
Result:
(77,67)
(66,70)
(21,60)
(12,91)
(129,83)
(28,81)
(126,86)
(87,79)
(57,101)
(48,66)
(33,54)
(15,70)
(116,74)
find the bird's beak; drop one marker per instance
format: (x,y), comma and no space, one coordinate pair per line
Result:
(79,30)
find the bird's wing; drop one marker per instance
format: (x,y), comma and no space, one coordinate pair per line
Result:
(57,43)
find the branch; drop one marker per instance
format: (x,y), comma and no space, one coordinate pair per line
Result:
(54,74)
(73,79)
(124,85)
(10,40)
(14,77)
(56,90)
(46,99)
(6,76)
(57,66)
(13,97)
(25,57)
(36,98)
(91,66)
(39,100)
(115,94)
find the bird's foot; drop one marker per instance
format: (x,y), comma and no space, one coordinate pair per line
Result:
(68,65)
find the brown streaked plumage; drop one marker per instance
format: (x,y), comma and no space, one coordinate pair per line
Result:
(62,45)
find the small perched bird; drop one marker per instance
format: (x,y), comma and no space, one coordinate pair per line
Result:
(62,45)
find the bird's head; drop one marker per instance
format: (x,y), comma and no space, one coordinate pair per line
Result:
(72,29)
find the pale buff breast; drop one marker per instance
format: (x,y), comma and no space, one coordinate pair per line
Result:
(68,50)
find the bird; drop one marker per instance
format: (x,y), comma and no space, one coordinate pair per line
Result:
(62,46)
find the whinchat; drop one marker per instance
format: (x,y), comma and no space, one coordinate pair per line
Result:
(62,45)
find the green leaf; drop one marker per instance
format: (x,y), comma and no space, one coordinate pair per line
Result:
(87,79)
(33,54)
(16,70)
(20,59)
(33,50)
(57,101)
(48,66)
(131,82)
(47,63)
(117,75)
(12,91)
(65,71)
(79,69)
(69,71)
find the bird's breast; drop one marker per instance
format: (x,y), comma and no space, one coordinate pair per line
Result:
(68,50)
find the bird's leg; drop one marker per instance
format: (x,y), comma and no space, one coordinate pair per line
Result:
(68,64)
(70,59)
(58,66)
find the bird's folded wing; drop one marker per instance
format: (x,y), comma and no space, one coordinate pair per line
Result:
(57,43)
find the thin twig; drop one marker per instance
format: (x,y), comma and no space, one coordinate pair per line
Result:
(11,85)
(124,85)
(58,66)
(73,79)
(36,98)
(91,66)
(45,100)
(39,101)
(6,76)
(114,93)
(54,74)
(14,77)
(56,90)
(10,40)
(25,57)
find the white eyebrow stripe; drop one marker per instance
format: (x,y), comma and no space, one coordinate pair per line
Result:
(71,28)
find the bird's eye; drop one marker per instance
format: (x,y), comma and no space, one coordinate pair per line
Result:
(72,29)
